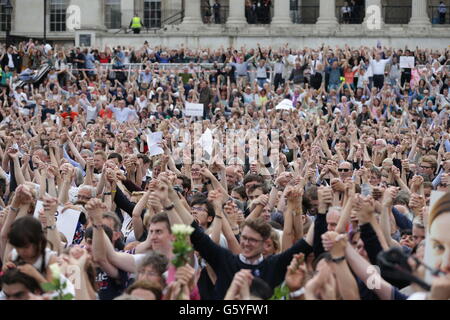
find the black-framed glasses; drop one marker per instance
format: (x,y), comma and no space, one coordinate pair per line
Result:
(252,241)
(344,170)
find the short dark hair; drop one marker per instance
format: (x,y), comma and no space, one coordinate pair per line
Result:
(89,233)
(186,181)
(253,177)
(115,155)
(146,285)
(259,225)
(260,289)
(157,260)
(200,199)
(241,191)
(13,276)
(252,188)
(102,142)
(161,217)
(144,158)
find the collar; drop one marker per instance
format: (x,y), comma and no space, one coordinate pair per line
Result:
(244,260)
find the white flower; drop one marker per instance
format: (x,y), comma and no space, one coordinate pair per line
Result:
(56,272)
(180,229)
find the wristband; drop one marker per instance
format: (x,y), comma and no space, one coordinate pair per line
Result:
(98,226)
(14,209)
(52,227)
(297,293)
(170,207)
(107,193)
(219,217)
(339,259)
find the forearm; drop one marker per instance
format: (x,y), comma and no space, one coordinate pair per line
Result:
(63,196)
(232,242)
(288,229)
(345,217)
(360,267)
(20,179)
(52,187)
(216,226)
(346,283)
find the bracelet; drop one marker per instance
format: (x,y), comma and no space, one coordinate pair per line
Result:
(52,227)
(297,293)
(219,217)
(170,207)
(337,260)
(98,226)
(14,209)
(107,193)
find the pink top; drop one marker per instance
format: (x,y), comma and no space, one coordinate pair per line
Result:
(194,295)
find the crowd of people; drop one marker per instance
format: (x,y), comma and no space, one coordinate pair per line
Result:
(342,175)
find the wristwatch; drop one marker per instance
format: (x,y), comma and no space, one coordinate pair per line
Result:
(52,227)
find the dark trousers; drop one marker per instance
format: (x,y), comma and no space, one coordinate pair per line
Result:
(137,30)
(278,80)
(378,80)
(441,18)
(406,77)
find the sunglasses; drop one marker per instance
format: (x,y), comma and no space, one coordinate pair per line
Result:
(343,170)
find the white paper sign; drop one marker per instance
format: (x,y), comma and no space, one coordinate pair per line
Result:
(286,104)
(194,109)
(66,222)
(206,141)
(152,141)
(407,62)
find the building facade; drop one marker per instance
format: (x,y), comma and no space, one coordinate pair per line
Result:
(200,23)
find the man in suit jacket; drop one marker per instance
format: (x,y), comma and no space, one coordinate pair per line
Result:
(11,59)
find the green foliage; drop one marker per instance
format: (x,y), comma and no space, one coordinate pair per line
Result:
(280,292)
(181,250)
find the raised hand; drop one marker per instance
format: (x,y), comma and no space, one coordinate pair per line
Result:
(365,208)
(95,209)
(215,197)
(296,273)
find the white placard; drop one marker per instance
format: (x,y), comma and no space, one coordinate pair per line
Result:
(153,139)
(206,141)
(286,104)
(194,109)
(66,222)
(407,62)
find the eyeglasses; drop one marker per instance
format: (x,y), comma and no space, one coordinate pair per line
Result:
(343,170)
(148,273)
(252,241)
(199,209)
(423,167)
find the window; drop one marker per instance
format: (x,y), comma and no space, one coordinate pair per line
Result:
(58,15)
(152,13)
(113,17)
(5,18)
